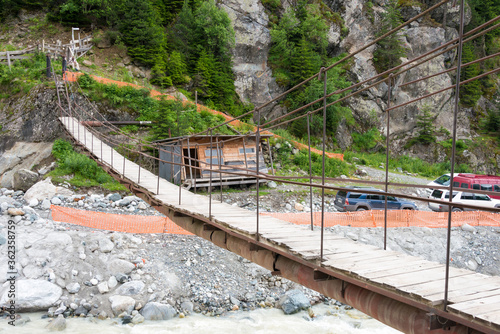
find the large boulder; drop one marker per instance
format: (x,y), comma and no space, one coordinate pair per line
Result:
(32,295)
(294,301)
(157,311)
(21,156)
(120,304)
(45,189)
(117,266)
(130,288)
(23,179)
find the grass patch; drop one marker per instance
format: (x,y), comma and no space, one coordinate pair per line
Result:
(79,170)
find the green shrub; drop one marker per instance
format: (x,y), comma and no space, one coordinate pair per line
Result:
(61,149)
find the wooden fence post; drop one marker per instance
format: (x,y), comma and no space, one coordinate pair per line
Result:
(8,59)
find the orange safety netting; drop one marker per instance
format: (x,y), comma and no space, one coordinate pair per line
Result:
(375,218)
(395,218)
(116,222)
(73,76)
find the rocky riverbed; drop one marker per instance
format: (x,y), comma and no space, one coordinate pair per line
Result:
(68,270)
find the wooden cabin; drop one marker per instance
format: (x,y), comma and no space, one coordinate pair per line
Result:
(234,155)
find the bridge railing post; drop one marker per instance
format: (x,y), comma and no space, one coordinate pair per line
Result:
(181,167)
(387,115)
(322,71)
(257,176)
(453,148)
(210,178)
(310,169)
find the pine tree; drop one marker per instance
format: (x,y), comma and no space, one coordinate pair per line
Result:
(425,126)
(470,92)
(390,49)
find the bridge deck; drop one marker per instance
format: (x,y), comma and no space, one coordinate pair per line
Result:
(472,296)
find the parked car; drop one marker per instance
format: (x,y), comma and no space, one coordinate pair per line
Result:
(353,199)
(461,197)
(468,181)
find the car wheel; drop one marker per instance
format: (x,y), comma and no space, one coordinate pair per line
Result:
(456,210)
(361,209)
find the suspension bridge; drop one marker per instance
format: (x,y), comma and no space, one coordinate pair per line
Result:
(408,293)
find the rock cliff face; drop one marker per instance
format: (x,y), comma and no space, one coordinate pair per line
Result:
(255,83)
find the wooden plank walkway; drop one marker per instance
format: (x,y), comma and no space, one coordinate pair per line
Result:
(472,296)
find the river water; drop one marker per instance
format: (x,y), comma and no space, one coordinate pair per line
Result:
(327,320)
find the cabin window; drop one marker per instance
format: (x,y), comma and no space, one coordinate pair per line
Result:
(234,163)
(464,185)
(215,161)
(497,188)
(212,152)
(476,186)
(456,184)
(247,150)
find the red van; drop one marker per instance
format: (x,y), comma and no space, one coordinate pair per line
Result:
(479,182)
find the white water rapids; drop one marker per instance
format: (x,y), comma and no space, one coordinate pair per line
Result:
(327,320)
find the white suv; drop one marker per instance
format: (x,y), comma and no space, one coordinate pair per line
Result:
(461,198)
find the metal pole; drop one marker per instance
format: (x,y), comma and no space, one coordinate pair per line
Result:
(245,153)
(452,171)
(310,170)
(199,165)
(387,159)
(189,157)
(158,180)
(138,164)
(270,156)
(48,64)
(180,172)
(324,158)
(210,184)
(257,153)
(123,174)
(219,157)
(112,151)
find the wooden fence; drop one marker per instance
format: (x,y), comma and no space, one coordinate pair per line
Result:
(79,47)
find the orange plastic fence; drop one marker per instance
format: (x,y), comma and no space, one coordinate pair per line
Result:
(116,222)
(73,76)
(395,218)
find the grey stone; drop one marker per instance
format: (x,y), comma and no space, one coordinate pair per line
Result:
(112,282)
(106,245)
(87,63)
(121,278)
(116,266)
(33,202)
(187,307)
(3,240)
(56,200)
(125,202)
(131,288)
(73,287)
(157,311)
(81,310)
(103,287)
(294,301)
(57,325)
(45,204)
(114,197)
(33,295)
(23,179)
(137,319)
(272,184)
(121,304)
(468,228)
(45,189)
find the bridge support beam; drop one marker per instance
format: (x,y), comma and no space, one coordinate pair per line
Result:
(403,317)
